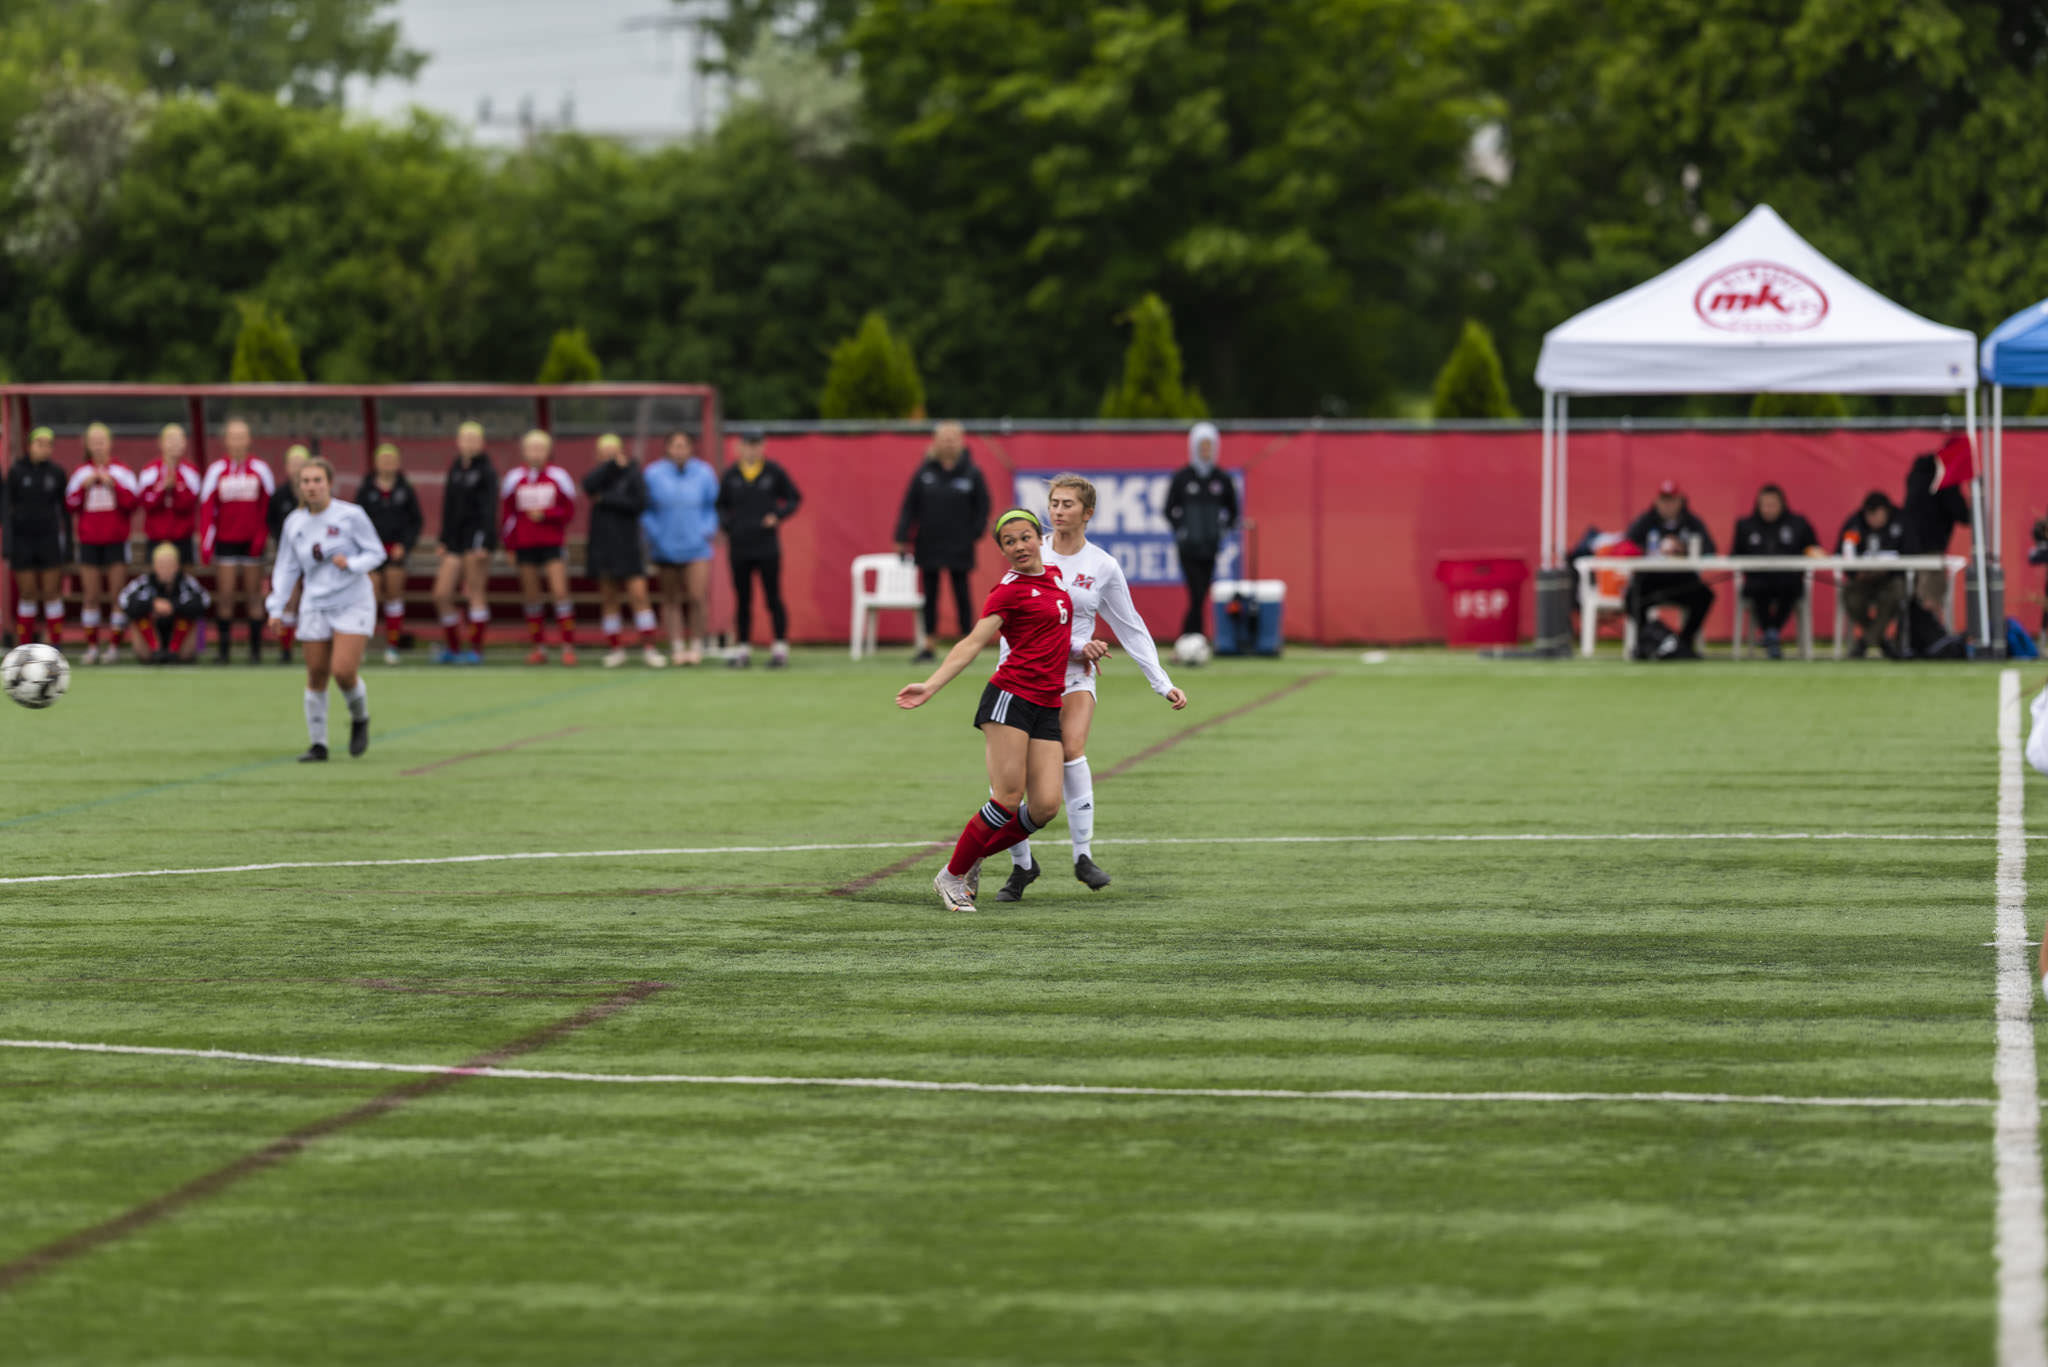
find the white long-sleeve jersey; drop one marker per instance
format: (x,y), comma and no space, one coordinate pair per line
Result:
(305,553)
(1096,583)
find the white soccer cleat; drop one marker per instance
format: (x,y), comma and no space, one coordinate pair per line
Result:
(92,655)
(391,656)
(973,881)
(953,891)
(111,655)
(654,658)
(614,658)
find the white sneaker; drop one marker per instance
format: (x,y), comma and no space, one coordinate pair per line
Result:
(679,656)
(953,893)
(654,658)
(614,657)
(391,655)
(92,655)
(111,655)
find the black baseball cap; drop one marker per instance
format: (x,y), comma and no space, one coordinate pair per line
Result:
(747,432)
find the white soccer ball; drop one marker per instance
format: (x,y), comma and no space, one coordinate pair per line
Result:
(35,675)
(1191,650)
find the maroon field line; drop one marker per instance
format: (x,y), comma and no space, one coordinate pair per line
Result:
(1123,766)
(493,750)
(52,1255)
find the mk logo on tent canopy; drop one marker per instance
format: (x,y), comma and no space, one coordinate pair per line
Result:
(1760,296)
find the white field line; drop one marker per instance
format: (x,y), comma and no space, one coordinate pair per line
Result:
(517,855)
(893,1084)
(2022,1236)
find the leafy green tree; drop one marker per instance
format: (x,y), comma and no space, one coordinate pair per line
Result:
(1798,406)
(2038,406)
(1286,178)
(1630,134)
(570,360)
(1151,386)
(71,149)
(1471,384)
(872,375)
(264,348)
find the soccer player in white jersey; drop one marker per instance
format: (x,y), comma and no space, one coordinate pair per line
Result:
(1095,582)
(330,548)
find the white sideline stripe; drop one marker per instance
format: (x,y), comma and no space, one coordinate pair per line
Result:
(515,855)
(2021,1245)
(895,1084)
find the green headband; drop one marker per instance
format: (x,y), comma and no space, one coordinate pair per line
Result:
(42,434)
(1016,513)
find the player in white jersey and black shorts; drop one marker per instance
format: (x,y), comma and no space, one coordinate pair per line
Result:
(328,549)
(1096,583)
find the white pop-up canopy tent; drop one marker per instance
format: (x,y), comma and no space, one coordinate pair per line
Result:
(1759,310)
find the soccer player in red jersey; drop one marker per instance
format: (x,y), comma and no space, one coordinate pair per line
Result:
(535,507)
(104,496)
(170,495)
(234,524)
(1019,716)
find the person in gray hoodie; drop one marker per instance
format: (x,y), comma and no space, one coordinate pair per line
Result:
(1201,505)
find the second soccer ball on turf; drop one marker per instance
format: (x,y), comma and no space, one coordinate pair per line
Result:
(35,675)
(1191,650)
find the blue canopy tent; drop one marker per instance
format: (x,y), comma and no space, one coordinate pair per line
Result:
(2015,355)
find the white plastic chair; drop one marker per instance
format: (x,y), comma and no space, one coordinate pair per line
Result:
(895,589)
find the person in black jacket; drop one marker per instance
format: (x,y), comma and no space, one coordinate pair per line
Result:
(38,529)
(613,554)
(469,533)
(162,608)
(945,511)
(1201,505)
(755,497)
(1773,529)
(284,501)
(1935,506)
(388,500)
(1670,528)
(1871,599)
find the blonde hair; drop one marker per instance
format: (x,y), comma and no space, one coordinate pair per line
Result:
(104,431)
(475,427)
(610,442)
(1076,483)
(546,440)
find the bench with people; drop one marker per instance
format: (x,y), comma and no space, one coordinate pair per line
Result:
(1895,611)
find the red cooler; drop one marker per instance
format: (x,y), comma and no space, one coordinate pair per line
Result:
(1485,592)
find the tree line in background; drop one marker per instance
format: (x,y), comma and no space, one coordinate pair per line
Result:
(1293,207)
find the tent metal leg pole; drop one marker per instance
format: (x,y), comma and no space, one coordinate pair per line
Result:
(1977,520)
(1563,462)
(1546,557)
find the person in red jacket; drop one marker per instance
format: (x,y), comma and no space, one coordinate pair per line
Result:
(535,506)
(234,508)
(170,496)
(103,497)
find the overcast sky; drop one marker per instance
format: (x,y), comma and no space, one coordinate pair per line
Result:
(508,50)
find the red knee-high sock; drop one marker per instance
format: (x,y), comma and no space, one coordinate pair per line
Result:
(394,624)
(180,629)
(989,831)
(451,633)
(479,627)
(565,622)
(534,628)
(25,624)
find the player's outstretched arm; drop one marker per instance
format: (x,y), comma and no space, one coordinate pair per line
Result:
(1122,615)
(957,659)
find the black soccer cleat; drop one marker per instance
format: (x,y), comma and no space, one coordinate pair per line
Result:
(1020,879)
(1086,870)
(315,754)
(358,737)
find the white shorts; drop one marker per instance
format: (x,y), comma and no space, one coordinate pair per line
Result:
(357,617)
(1080,678)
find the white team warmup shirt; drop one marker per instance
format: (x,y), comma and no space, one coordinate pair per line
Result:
(305,554)
(1095,581)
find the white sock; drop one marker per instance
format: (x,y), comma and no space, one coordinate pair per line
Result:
(31,610)
(358,699)
(54,610)
(316,716)
(610,624)
(643,622)
(1078,786)
(1020,854)
(89,617)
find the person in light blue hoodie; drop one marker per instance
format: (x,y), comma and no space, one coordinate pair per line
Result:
(680,522)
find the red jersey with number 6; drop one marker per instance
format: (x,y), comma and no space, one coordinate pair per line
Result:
(1038,626)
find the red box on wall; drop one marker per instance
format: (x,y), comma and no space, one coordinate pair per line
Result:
(1485,599)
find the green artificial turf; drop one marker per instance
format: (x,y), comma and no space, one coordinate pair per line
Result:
(503,1221)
